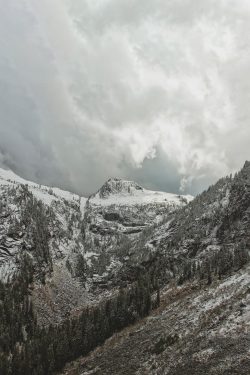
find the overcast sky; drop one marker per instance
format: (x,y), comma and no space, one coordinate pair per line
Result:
(156,90)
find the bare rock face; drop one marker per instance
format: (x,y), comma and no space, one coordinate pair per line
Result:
(118,186)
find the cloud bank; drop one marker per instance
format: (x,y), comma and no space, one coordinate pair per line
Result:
(157,91)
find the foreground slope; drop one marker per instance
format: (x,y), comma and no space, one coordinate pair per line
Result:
(198,329)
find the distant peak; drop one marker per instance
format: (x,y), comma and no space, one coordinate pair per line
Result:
(246,168)
(247,164)
(116,186)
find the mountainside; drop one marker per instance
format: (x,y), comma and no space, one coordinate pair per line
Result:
(19,198)
(76,245)
(199,255)
(197,330)
(93,266)
(115,218)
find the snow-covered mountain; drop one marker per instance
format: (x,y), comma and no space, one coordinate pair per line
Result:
(85,241)
(119,253)
(44,193)
(120,192)
(200,256)
(115,217)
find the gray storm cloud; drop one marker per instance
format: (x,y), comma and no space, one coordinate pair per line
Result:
(153,90)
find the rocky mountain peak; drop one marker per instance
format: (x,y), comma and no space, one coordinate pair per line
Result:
(118,186)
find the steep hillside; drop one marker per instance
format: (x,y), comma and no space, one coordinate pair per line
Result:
(44,224)
(25,206)
(197,330)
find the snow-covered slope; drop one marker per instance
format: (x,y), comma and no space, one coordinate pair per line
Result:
(126,193)
(44,193)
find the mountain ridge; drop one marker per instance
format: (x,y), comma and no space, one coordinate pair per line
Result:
(112,185)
